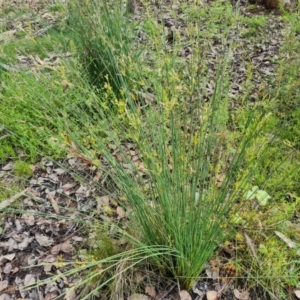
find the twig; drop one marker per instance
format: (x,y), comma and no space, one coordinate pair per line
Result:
(8,68)
(12,199)
(44,30)
(167,292)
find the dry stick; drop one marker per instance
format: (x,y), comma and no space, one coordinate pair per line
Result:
(12,199)
(54,204)
(167,292)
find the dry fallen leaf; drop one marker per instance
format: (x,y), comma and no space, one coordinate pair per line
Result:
(288,241)
(66,84)
(70,295)
(49,259)
(26,241)
(29,280)
(244,295)
(52,295)
(7,257)
(3,285)
(53,203)
(121,213)
(139,297)
(29,219)
(251,245)
(184,295)
(212,295)
(48,268)
(8,167)
(64,247)
(7,268)
(138,277)
(220,179)
(43,240)
(150,290)
(5,297)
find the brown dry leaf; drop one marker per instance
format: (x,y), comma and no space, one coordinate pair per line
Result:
(244,295)
(121,213)
(70,295)
(288,241)
(220,179)
(32,167)
(77,238)
(64,247)
(43,240)
(251,245)
(185,295)
(7,257)
(29,219)
(101,201)
(132,152)
(138,277)
(150,290)
(26,241)
(65,85)
(48,268)
(3,285)
(52,295)
(8,167)
(97,177)
(49,259)
(67,247)
(105,199)
(297,293)
(214,274)
(139,297)
(7,268)
(56,249)
(29,280)
(212,295)
(53,203)
(82,191)
(59,171)
(5,297)
(68,186)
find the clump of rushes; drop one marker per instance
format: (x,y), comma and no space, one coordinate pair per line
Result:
(177,205)
(187,181)
(179,195)
(103,37)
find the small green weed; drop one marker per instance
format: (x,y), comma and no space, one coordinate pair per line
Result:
(22,168)
(275,267)
(26,45)
(56,7)
(6,151)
